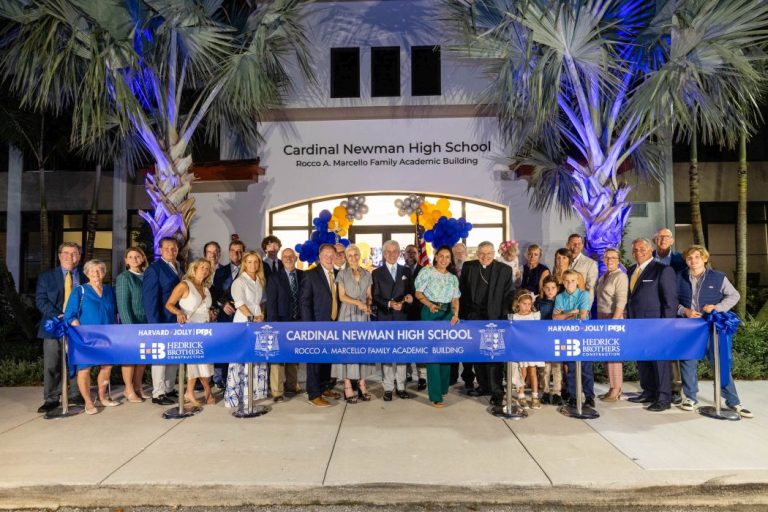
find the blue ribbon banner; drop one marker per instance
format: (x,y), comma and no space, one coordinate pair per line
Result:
(389,342)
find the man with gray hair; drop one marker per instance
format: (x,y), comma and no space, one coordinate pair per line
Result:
(393,297)
(51,295)
(583,264)
(487,289)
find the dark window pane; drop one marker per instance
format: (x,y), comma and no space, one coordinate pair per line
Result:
(425,71)
(345,72)
(385,71)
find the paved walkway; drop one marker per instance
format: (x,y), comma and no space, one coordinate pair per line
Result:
(378,452)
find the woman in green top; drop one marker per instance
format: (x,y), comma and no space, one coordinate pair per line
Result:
(438,290)
(130,309)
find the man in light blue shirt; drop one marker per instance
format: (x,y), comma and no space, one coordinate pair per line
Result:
(574,304)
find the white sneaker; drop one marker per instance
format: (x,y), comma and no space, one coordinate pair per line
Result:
(744,413)
(688,405)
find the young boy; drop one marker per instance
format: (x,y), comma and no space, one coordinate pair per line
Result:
(574,304)
(545,304)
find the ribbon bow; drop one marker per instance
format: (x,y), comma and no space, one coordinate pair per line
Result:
(57,327)
(726,324)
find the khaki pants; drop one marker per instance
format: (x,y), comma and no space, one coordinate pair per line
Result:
(555,370)
(282,377)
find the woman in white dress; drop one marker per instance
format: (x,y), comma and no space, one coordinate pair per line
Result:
(247,292)
(191,302)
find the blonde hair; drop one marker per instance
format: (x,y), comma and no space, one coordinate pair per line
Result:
(523,295)
(192,269)
(703,252)
(259,273)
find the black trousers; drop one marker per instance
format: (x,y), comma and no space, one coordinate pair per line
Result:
(656,380)
(318,379)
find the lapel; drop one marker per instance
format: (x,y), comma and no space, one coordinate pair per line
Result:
(167,270)
(491,278)
(321,272)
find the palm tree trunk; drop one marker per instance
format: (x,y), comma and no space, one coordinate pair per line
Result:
(45,232)
(741,228)
(693,180)
(93,219)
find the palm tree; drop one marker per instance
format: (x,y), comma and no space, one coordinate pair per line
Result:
(584,90)
(697,224)
(741,227)
(157,72)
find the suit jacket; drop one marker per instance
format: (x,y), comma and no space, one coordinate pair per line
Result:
(159,282)
(279,296)
(501,291)
(268,269)
(128,293)
(655,293)
(315,300)
(222,282)
(385,289)
(49,296)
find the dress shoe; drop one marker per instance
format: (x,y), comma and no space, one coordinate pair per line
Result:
(163,400)
(409,379)
(173,394)
(590,402)
(320,402)
(404,395)
(640,399)
(387,396)
(677,398)
(76,400)
(329,393)
(475,392)
(278,399)
(422,385)
(557,400)
(47,407)
(658,406)
(546,399)
(497,401)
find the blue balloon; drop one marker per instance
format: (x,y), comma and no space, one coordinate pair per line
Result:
(325,216)
(429,235)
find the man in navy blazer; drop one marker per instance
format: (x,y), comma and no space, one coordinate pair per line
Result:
(49,299)
(318,294)
(222,299)
(652,294)
(283,294)
(271,245)
(393,297)
(160,278)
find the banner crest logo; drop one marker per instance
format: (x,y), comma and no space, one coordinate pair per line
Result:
(492,341)
(267,344)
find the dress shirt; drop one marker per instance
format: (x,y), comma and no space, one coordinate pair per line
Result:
(730,295)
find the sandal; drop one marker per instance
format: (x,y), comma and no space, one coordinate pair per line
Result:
(349,395)
(437,405)
(191,400)
(107,402)
(362,393)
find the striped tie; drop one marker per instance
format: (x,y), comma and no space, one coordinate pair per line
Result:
(334,305)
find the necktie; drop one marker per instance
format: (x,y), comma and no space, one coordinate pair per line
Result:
(67,288)
(334,306)
(633,279)
(294,296)
(274,266)
(235,271)
(393,271)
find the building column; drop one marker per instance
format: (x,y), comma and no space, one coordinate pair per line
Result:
(13,215)
(119,216)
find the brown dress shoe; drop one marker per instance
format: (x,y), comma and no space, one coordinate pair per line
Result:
(320,402)
(329,393)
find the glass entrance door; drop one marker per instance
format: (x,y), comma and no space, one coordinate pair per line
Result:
(373,237)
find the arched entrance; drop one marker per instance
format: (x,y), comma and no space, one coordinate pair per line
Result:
(292,223)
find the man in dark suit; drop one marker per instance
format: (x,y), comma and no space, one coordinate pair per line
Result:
(652,294)
(222,299)
(271,246)
(411,254)
(283,292)
(460,255)
(393,297)
(160,278)
(319,302)
(487,289)
(51,295)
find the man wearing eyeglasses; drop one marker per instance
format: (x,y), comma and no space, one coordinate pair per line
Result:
(664,253)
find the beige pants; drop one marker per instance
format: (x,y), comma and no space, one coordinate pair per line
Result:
(282,377)
(555,370)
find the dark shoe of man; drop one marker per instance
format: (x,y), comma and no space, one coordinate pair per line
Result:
(320,402)
(387,396)
(546,398)
(640,399)
(571,402)
(590,402)
(677,398)
(278,399)
(409,378)
(658,407)
(557,400)
(404,395)
(163,400)
(422,385)
(47,406)
(476,392)
(497,401)
(329,393)
(76,400)
(173,394)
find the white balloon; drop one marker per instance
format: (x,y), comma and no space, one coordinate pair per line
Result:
(344,204)
(398,203)
(401,212)
(358,216)
(364,208)
(350,217)
(350,210)
(407,202)
(361,199)
(352,201)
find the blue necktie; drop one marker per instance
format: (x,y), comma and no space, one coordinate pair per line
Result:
(294,295)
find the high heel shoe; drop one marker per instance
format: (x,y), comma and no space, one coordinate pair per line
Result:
(107,402)
(363,394)
(349,395)
(134,399)
(191,400)
(611,397)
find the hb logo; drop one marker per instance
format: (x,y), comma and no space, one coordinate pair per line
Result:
(155,350)
(571,348)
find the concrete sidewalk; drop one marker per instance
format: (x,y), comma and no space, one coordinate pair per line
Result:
(379,452)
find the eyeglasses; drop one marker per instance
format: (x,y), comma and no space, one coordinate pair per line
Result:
(664,237)
(611,257)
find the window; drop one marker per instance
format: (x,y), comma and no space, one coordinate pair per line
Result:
(425,71)
(345,72)
(385,71)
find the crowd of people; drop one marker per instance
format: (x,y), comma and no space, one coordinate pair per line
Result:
(268,287)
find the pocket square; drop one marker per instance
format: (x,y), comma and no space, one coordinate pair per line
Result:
(404,278)
(647,280)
